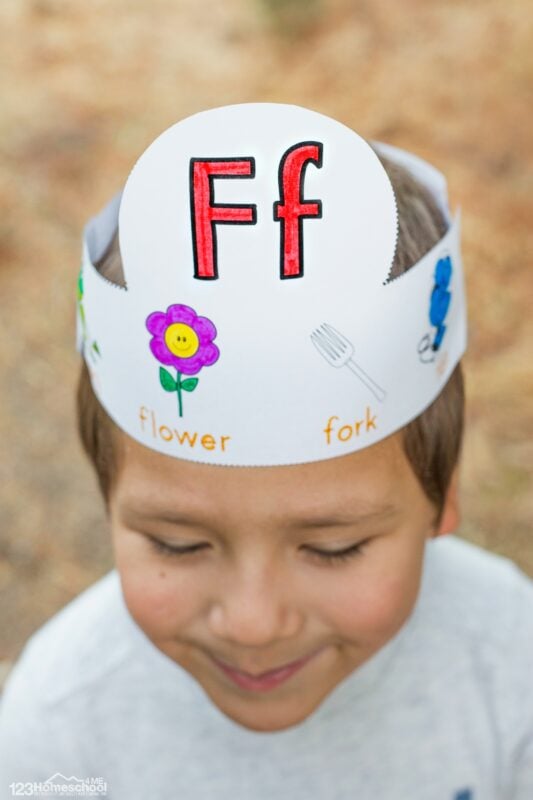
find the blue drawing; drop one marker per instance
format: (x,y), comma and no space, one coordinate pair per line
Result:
(464,794)
(438,311)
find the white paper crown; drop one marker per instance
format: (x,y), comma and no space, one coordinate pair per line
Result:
(258,326)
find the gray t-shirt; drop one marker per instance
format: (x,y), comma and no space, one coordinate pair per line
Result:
(443,712)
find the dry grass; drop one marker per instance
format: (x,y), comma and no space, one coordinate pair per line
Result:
(86,86)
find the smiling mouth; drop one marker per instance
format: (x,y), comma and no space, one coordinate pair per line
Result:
(264,681)
(259,674)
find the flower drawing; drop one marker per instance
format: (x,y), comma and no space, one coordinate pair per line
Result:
(182,340)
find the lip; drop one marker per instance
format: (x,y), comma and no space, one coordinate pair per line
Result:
(265,681)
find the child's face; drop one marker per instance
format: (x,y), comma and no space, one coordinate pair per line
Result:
(256,594)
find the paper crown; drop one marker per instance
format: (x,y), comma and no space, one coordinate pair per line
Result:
(258,325)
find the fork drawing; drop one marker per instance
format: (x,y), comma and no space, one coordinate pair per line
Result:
(338,351)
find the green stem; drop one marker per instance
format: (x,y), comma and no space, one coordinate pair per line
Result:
(178,389)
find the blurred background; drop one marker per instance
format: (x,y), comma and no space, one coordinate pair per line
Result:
(86,86)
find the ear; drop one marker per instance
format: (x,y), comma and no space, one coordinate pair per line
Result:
(451,515)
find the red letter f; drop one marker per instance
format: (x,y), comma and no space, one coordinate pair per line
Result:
(292,209)
(205,212)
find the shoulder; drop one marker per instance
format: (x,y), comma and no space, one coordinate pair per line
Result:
(477,590)
(481,603)
(78,678)
(459,562)
(477,613)
(461,559)
(69,664)
(81,644)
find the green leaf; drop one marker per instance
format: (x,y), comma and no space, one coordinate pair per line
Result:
(96,348)
(190,384)
(167,381)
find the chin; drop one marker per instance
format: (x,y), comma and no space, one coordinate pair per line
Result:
(264,713)
(264,719)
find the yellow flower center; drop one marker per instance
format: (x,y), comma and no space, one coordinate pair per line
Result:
(181,340)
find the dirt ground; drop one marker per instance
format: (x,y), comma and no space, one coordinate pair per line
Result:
(86,87)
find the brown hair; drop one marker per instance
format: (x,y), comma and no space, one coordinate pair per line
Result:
(431,442)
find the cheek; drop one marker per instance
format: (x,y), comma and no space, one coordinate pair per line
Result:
(372,604)
(161,600)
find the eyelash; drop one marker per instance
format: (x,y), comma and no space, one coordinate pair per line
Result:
(168,550)
(333,557)
(339,556)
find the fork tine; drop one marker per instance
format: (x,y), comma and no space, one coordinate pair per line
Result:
(322,343)
(326,344)
(337,337)
(334,339)
(315,340)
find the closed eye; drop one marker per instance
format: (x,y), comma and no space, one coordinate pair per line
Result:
(338,556)
(175,550)
(325,556)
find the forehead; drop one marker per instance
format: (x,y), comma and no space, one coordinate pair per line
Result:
(370,479)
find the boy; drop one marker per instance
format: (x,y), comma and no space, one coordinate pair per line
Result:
(289,625)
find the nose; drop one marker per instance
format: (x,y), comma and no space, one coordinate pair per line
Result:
(255,607)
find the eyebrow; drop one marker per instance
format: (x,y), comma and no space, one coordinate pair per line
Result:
(342,519)
(158,515)
(330,520)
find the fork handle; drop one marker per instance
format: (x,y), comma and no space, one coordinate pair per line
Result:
(376,390)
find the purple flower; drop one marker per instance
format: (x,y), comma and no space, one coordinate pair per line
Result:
(182,340)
